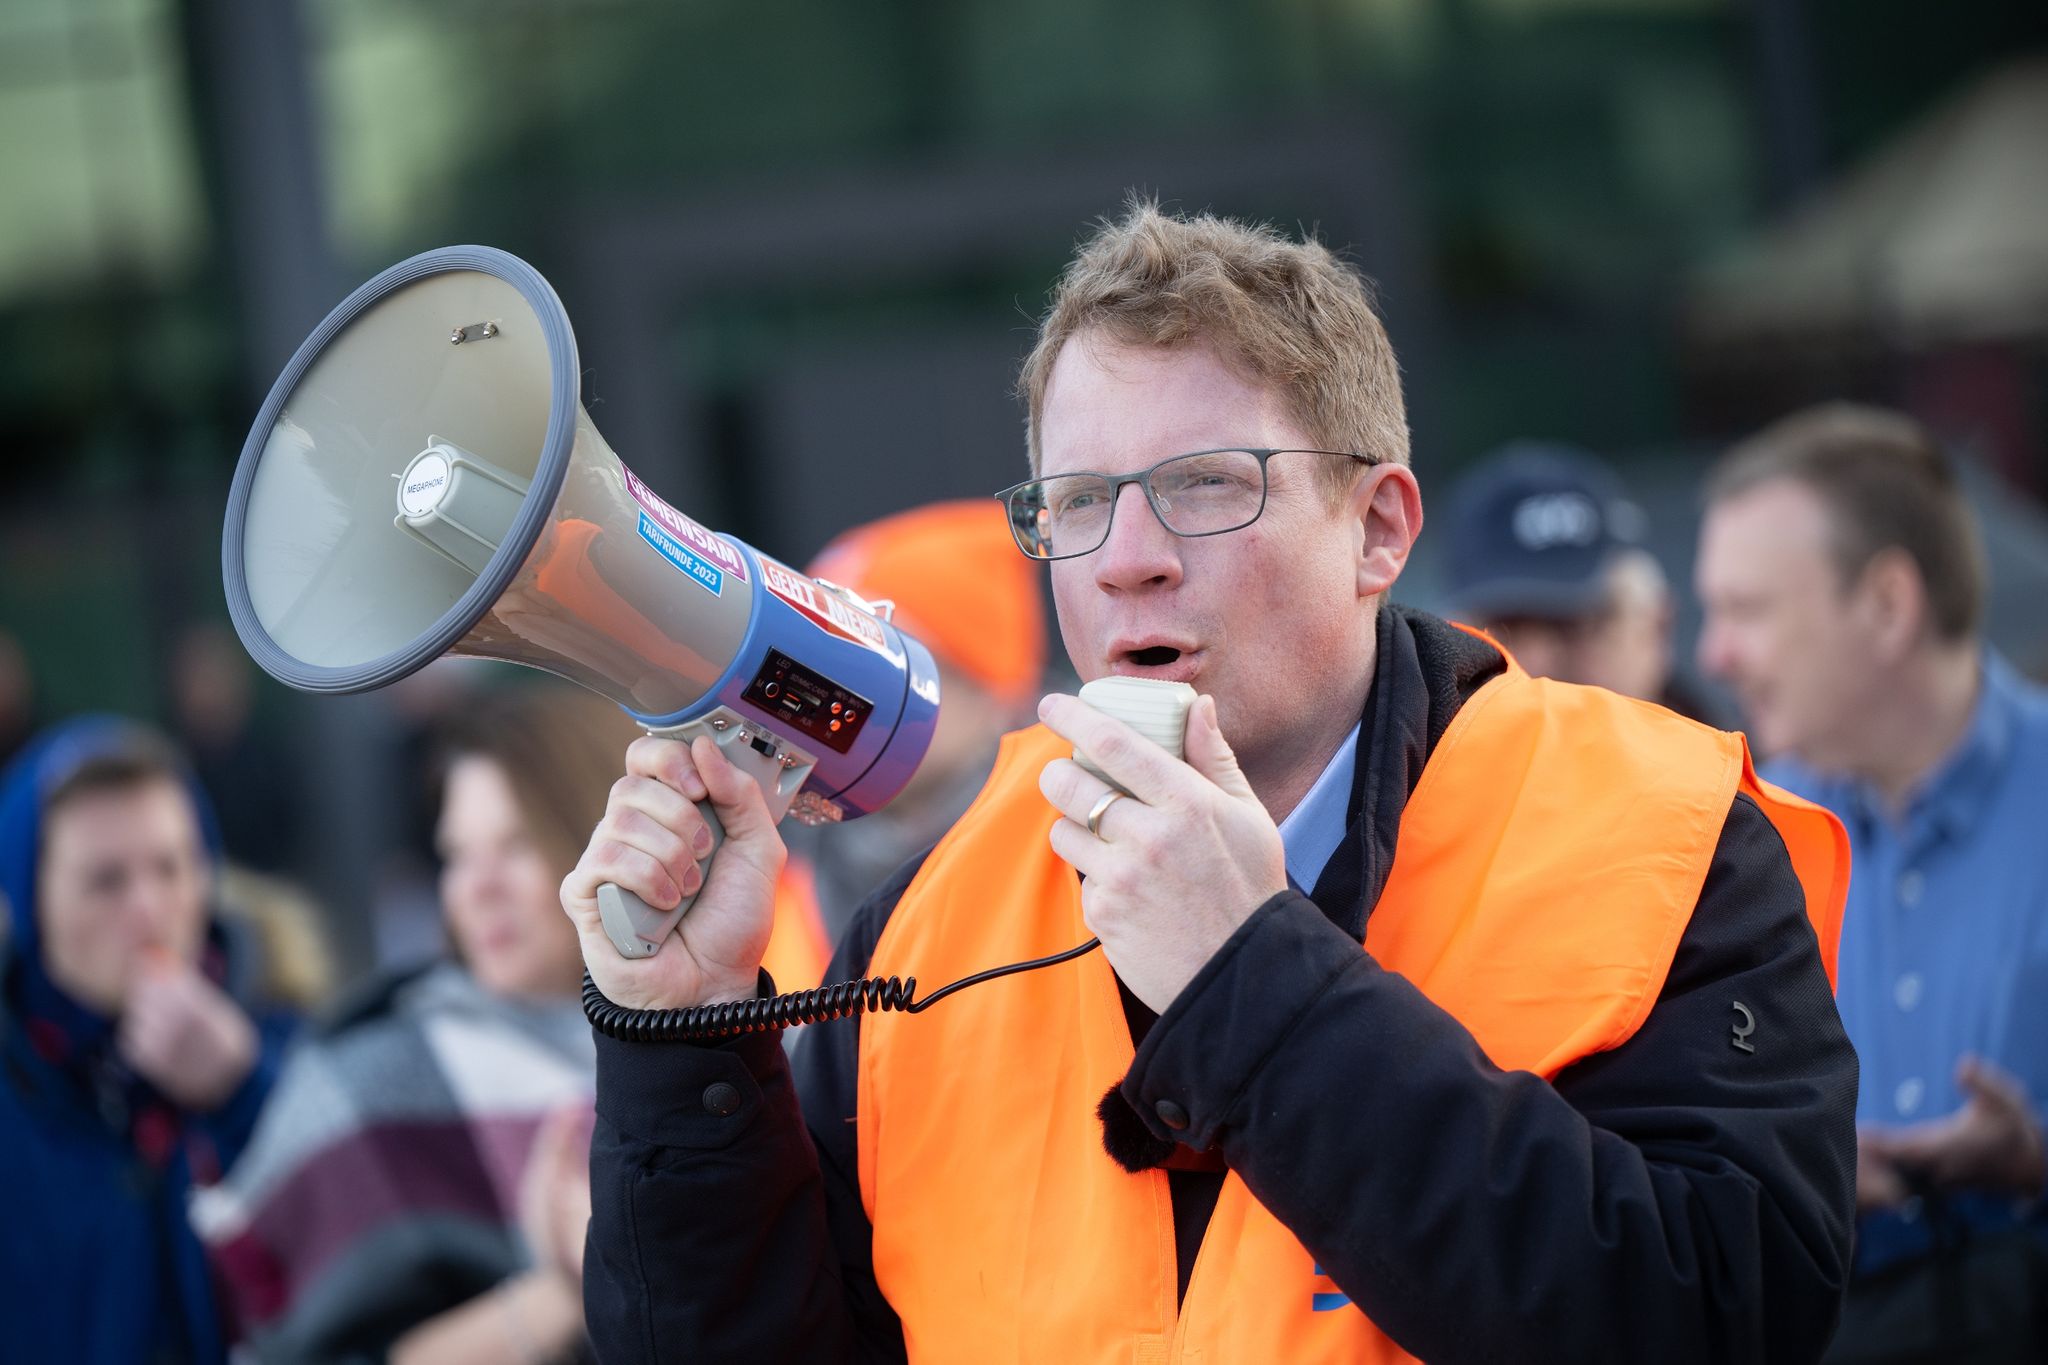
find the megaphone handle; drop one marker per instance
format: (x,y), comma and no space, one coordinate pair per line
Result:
(778,767)
(636,928)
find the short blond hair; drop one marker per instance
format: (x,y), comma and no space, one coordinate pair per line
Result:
(1284,313)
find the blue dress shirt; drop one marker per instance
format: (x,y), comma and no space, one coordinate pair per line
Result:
(1945,939)
(1314,828)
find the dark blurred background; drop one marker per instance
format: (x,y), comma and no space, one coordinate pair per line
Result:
(803,245)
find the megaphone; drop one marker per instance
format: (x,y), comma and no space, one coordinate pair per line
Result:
(423,481)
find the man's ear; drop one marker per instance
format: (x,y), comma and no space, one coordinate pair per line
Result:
(1387,505)
(1892,599)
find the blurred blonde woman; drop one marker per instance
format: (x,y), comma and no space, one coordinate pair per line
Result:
(411,1193)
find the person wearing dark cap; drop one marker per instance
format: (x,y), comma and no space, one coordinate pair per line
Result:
(1546,557)
(131,1069)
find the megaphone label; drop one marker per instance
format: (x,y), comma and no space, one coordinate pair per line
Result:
(423,485)
(676,553)
(827,611)
(706,545)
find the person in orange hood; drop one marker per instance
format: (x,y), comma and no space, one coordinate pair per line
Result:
(953,578)
(1440,1011)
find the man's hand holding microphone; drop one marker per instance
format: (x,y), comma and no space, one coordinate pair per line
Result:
(1174,865)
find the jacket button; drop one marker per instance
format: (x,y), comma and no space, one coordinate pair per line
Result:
(1171,1114)
(721,1098)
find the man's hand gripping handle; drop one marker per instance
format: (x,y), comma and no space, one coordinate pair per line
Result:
(636,928)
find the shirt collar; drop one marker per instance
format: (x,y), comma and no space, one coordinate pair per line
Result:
(1314,828)
(1954,794)
(1949,800)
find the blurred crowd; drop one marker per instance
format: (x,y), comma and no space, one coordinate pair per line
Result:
(216,1144)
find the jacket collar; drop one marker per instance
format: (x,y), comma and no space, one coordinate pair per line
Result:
(1426,670)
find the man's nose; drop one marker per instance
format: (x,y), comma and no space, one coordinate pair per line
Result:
(151,904)
(1140,550)
(489,881)
(473,882)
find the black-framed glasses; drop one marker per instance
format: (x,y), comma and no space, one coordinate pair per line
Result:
(1201,493)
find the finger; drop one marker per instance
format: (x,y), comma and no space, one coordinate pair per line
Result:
(566,1124)
(549,1140)
(666,760)
(644,817)
(1887,1141)
(1879,1187)
(630,868)
(1209,754)
(143,1048)
(741,805)
(1920,1146)
(575,1216)
(1072,790)
(187,991)
(144,990)
(156,975)
(1080,850)
(149,1010)
(664,805)
(1883,1143)
(678,853)
(1131,761)
(1986,1080)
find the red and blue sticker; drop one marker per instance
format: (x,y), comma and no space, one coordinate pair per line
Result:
(704,558)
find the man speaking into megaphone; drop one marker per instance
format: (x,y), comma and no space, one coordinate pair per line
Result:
(1441,1012)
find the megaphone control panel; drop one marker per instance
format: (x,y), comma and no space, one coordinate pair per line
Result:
(809,701)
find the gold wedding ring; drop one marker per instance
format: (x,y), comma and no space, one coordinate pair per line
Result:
(1095,813)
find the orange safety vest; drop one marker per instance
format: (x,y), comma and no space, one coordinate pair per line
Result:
(1547,865)
(798,949)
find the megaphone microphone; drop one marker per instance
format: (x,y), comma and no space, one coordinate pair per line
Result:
(423,480)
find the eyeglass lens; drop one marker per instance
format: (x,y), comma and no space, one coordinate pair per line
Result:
(1194,495)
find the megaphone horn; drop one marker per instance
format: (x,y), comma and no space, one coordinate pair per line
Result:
(423,480)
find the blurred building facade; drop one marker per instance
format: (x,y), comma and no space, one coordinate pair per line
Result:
(802,245)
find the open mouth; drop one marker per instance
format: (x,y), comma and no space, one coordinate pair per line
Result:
(1153,656)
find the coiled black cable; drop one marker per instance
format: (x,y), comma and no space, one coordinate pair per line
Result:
(839,1000)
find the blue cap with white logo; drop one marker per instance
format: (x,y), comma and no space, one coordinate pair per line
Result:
(1533,529)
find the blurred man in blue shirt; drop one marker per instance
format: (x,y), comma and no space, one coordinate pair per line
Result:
(1844,588)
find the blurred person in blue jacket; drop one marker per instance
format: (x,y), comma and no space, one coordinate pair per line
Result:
(1844,589)
(129,1072)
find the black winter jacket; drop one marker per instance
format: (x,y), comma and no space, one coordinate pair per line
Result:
(1675,1199)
